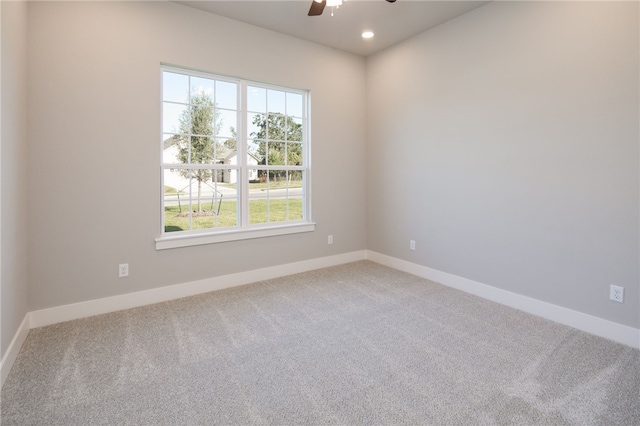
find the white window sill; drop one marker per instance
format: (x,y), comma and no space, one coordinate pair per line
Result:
(175,241)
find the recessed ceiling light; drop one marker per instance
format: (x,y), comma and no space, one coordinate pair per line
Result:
(367,34)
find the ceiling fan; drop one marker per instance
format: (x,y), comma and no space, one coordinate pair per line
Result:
(317,6)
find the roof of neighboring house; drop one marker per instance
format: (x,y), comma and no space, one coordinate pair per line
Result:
(169,142)
(227,154)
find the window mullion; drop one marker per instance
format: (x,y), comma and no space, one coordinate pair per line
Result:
(242,147)
(306,154)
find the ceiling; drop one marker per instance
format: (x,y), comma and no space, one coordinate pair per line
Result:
(391,22)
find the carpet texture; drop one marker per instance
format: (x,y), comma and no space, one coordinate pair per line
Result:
(353,344)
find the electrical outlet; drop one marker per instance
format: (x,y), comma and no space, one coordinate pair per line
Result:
(123,270)
(616,293)
(412,245)
(330,239)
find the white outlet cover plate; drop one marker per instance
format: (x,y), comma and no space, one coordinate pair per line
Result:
(616,293)
(123,270)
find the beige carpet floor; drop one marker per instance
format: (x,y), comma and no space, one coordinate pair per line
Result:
(353,344)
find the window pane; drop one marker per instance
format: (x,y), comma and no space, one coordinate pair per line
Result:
(197,199)
(277,210)
(226,199)
(226,152)
(294,104)
(258,195)
(278,182)
(202,109)
(276,154)
(256,126)
(276,102)
(203,121)
(253,176)
(202,151)
(256,99)
(276,127)
(281,209)
(175,87)
(228,193)
(176,201)
(217,204)
(225,146)
(258,198)
(258,185)
(252,160)
(226,95)
(226,122)
(295,183)
(258,210)
(296,211)
(171,149)
(256,148)
(202,87)
(294,129)
(171,116)
(276,196)
(294,154)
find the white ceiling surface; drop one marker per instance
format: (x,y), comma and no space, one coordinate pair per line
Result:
(391,22)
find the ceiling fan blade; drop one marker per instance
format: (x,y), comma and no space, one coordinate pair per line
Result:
(317,7)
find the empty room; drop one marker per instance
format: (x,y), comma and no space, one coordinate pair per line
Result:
(320,212)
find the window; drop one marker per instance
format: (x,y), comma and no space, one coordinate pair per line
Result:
(235,159)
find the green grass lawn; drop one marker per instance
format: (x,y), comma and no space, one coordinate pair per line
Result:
(174,220)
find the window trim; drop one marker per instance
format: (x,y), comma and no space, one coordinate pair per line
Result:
(196,239)
(244,230)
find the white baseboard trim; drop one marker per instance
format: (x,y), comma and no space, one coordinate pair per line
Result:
(600,327)
(89,308)
(14,348)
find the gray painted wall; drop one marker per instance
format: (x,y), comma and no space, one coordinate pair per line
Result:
(13,177)
(505,142)
(94,147)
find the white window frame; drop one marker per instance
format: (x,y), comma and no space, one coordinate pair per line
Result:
(244,230)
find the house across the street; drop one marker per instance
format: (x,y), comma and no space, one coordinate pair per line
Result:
(224,155)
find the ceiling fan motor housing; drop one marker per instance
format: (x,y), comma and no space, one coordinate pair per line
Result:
(317,7)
